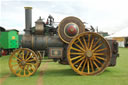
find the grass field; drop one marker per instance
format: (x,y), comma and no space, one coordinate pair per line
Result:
(57,74)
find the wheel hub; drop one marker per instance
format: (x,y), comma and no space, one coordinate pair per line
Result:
(88,53)
(71,29)
(23,63)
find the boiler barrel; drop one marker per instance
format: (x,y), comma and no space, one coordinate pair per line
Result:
(40,42)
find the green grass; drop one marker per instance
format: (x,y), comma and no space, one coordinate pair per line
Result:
(4,69)
(57,74)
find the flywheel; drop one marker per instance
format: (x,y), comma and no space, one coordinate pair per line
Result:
(70,27)
(23,62)
(88,53)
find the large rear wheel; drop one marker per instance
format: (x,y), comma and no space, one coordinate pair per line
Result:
(88,53)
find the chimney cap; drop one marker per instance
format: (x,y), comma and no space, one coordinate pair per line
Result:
(28,7)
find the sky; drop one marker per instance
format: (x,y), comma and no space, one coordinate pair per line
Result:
(108,15)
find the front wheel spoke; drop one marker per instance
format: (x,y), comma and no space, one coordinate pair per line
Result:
(17,68)
(26,54)
(78,60)
(76,57)
(29,57)
(84,65)
(15,65)
(19,73)
(97,47)
(28,69)
(33,69)
(79,46)
(31,60)
(23,54)
(15,61)
(17,58)
(32,64)
(24,71)
(76,49)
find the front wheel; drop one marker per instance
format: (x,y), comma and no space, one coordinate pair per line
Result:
(23,62)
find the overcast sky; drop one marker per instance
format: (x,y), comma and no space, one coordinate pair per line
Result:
(109,15)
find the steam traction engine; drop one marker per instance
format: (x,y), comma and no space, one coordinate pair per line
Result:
(88,53)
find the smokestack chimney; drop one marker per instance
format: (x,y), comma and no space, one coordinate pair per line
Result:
(28,19)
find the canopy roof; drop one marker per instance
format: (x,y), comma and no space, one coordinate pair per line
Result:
(121,33)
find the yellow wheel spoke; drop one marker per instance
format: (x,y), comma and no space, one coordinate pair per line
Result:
(21,60)
(31,60)
(27,54)
(80,65)
(76,49)
(91,43)
(29,73)
(33,69)
(76,57)
(23,54)
(98,54)
(15,65)
(81,43)
(17,68)
(99,50)
(89,40)
(92,66)
(17,58)
(79,46)
(84,65)
(98,61)
(29,57)
(28,69)
(78,60)
(95,64)
(96,42)
(101,58)
(19,73)
(97,47)
(77,53)
(31,64)
(15,61)
(24,71)
(85,43)
(88,66)
(88,53)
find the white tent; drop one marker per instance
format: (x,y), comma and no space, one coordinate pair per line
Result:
(120,34)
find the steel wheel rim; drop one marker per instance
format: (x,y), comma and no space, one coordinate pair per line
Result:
(23,62)
(39,57)
(88,58)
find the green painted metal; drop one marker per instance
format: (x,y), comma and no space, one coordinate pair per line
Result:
(9,39)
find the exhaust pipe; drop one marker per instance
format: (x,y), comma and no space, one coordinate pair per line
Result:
(28,19)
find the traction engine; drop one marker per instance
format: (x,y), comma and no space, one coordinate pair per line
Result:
(88,53)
